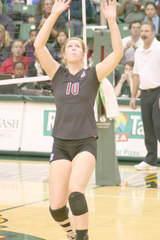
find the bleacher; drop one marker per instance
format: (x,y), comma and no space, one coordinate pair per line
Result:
(22,29)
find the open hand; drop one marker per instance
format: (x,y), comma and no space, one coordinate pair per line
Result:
(109,9)
(60,6)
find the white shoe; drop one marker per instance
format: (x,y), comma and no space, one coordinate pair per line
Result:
(144,166)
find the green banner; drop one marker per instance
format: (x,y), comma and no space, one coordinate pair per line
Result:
(128,125)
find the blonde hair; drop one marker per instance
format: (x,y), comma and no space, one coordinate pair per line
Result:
(7,37)
(64,47)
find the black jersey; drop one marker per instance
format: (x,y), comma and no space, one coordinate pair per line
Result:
(74,98)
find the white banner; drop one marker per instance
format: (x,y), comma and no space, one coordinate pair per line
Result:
(33,137)
(11,117)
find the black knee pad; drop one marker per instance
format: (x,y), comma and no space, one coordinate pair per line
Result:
(78,203)
(60,214)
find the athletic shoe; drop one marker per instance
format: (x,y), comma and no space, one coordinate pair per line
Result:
(144,166)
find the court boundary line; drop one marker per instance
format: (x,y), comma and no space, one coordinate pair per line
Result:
(23,205)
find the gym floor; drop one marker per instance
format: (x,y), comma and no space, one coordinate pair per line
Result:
(129,211)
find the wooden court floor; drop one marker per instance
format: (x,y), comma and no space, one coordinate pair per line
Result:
(127,212)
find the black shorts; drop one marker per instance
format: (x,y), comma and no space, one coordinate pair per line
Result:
(68,149)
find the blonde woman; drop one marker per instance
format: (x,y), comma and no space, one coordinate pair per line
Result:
(73,155)
(5,44)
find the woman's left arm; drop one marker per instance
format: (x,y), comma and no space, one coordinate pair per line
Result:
(105,67)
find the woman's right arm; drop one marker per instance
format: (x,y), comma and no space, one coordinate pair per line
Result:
(49,65)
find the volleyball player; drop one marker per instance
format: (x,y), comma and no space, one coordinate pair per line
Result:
(74,149)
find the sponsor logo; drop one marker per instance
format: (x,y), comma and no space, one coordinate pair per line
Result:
(129,126)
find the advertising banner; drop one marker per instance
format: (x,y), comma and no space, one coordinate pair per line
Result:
(130,135)
(37,130)
(11,117)
(27,126)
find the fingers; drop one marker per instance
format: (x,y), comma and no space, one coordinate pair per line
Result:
(133,104)
(104,4)
(62,1)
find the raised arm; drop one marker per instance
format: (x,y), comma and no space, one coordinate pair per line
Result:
(105,67)
(47,62)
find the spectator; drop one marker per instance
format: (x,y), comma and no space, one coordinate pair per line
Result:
(151,15)
(28,45)
(17,55)
(125,85)
(7,22)
(5,44)
(19,70)
(146,77)
(132,11)
(76,14)
(59,25)
(55,50)
(132,42)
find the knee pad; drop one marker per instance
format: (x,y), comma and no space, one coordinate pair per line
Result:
(60,214)
(78,203)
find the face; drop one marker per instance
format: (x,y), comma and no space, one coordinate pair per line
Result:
(150,11)
(135,29)
(1,35)
(128,68)
(17,49)
(33,36)
(147,34)
(61,38)
(73,51)
(47,7)
(19,71)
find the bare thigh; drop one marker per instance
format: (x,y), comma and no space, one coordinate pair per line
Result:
(59,176)
(82,168)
